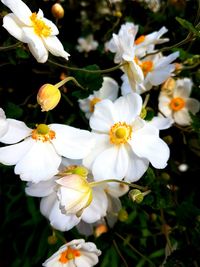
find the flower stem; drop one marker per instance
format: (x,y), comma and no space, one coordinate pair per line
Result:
(10,47)
(61,83)
(93,184)
(88,71)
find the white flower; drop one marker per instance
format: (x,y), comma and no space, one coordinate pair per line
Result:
(76,253)
(125,144)
(156,69)
(109,90)
(3,123)
(177,104)
(38,156)
(87,44)
(35,30)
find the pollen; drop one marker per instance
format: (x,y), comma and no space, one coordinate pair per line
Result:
(120,133)
(43,133)
(93,103)
(40,27)
(177,103)
(69,254)
(146,66)
(140,40)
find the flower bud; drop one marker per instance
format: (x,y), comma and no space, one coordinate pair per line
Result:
(52,239)
(123,215)
(136,195)
(74,194)
(48,97)
(57,11)
(100,229)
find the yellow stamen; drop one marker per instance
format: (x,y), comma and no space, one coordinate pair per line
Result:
(40,27)
(69,254)
(43,133)
(93,103)
(177,103)
(120,133)
(140,40)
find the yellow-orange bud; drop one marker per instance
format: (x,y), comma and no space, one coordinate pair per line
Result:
(100,229)
(57,11)
(48,97)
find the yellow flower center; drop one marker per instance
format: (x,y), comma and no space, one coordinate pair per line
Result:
(40,27)
(146,66)
(140,40)
(43,133)
(69,254)
(93,103)
(120,133)
(177,103)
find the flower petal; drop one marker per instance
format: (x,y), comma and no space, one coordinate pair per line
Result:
(71,142)
(128,107)
(183,88)
(102,143)
(10,155)
(97,208)
(14,27)
(103,116)
(160,75)
(35,45)
(41,189)
(161,123)
(182,117)
(193,105)
(40,163)
(55,47)
(111,164)
(147,144)
(109,89)
(20,9)
(137,167)
(17,130)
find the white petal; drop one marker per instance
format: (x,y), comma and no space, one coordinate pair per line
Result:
(35,45)
(183,88)
(160,75)
(116,189)
(147,144)
(40,163)
(97,208)
(182,117)
(86,260)
(163,105)
(111,164)
(71,142)
(193,105)
(55,47)
(10,155)
(103,116)
(101,143)
(3,124)
(17,130)
(128,107)
(161,123)
(137,167)
(20,9)
(109,89)
(13,26)
(41,189)
(164,61)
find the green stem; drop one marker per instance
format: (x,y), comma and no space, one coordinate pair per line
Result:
(93,184)
(135,250)
(119,253)
(10,47)
(61,83)
(88,71)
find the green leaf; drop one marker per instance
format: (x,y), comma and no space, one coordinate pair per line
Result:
(13,111)
(188,25)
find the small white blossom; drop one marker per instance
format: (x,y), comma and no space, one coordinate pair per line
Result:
(87,44)
(76,253)
(3,123)
(177,103)
(38,155)
(35,30)
(109,90)
(125,143)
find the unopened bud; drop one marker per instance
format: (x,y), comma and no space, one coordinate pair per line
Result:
(165,176)
(100,229)
(52,239)
(57,11)
(168,139)
(168,86)
(48,97)
(80,170)
(178,68)
(123,215)
(136,195)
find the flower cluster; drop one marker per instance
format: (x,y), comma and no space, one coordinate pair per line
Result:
(81,174)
